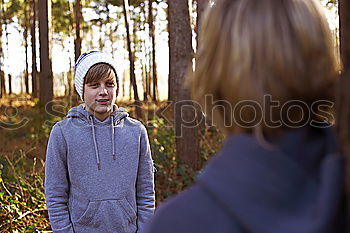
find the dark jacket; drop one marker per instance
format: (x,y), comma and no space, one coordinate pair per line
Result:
(295,188)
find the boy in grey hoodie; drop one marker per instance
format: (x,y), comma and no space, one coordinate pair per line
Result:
(99,170)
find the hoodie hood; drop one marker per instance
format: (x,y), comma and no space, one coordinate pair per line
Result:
(112,121)
(80,112)
(295,187)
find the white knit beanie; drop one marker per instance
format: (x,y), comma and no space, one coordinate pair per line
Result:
(84,63)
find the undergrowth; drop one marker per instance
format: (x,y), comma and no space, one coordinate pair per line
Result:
(22,160)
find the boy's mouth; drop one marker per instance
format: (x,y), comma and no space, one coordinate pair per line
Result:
(102,101)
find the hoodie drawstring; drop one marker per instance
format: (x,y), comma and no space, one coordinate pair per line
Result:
(95,143)
(81,113)
(113,146)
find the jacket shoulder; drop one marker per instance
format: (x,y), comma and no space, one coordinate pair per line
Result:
(193,210)
(133,122)
(69,122)
(63,121)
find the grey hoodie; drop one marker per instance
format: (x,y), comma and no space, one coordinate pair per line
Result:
(99,175)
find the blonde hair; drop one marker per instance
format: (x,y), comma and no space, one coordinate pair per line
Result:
(252,48)
(101,71)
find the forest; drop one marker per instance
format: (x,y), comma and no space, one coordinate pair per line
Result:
(153,41)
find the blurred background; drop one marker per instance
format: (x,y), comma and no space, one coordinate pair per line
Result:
(79,26)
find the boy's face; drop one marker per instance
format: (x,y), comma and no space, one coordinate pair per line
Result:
(100,96)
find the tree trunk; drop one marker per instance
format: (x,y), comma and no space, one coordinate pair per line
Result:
(134,39)
(71,59)
(148,77)
(147,65)
(171,26)
(145,60)
(343,100)
(102,35)
(180,45)
(7,49)
(46,82)
(144,82)
(26,26)
(78,19)
(344,21)
(2,84)
(154,63)
(131,59)
(2,73)
(10,83)
(33,42)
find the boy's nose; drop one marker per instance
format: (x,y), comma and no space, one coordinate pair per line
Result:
(103,91)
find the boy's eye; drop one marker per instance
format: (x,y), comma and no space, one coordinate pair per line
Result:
(93,85)
(110,84)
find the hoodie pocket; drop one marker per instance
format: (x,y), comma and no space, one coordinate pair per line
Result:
(111,215)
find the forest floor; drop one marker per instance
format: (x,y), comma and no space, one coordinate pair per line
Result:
(24,131)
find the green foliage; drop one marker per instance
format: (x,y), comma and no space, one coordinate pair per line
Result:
(12,8)
(22,207)
(38,127)
(210,142)
(330,4)
(334,2)
(171,176)
(62,17)
(21,194)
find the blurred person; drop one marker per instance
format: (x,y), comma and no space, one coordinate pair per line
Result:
(98,170)
(269,68)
